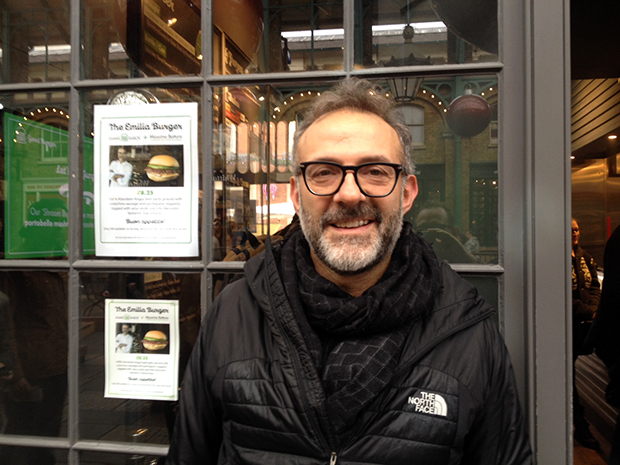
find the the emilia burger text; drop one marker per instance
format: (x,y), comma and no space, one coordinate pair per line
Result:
(141,310)
(145,127)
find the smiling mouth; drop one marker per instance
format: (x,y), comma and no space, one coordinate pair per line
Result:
(351,224)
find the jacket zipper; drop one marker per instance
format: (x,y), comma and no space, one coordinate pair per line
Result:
(333,458)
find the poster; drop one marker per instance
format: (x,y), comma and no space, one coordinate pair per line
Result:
(36,210)
(141,349)
(146,172)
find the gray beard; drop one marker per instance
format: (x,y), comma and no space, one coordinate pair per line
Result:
(352,256)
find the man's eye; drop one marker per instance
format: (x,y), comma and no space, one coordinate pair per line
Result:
(375,171)
(323,173)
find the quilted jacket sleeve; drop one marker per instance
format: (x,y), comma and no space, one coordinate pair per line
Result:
(498,436)
(197,433)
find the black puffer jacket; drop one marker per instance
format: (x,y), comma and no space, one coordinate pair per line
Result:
(248,390)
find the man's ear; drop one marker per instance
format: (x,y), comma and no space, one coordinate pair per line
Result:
(410,192)
(295,193)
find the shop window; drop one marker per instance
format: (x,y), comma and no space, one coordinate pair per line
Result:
(35,44)
(34,345)
(156,38)
(399,33)
(136,417)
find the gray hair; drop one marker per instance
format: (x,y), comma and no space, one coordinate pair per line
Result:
(358,95)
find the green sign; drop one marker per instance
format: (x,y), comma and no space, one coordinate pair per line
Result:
(36,190)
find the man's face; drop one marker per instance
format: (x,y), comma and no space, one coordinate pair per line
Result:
(122,155)
(348,231)
(125,329)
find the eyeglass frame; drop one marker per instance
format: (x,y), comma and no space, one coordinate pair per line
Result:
(399,168)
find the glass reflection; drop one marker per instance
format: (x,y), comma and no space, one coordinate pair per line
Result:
(252,147)
(124,39)
(158,38)
(34,42)
(291,35)
(118,419)
(33,360)
(410,33)
(453,123)
(269,36)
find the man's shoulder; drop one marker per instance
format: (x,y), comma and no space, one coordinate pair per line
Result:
(454,289)
(460,317)
(235,305)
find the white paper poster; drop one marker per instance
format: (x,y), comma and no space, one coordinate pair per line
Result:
(146,173)
(141,349)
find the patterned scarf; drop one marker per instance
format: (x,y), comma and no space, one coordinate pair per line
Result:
(355,342)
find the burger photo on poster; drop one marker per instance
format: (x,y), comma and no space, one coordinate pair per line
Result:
(162,168)
(155,341)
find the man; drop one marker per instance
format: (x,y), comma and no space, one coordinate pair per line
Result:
(120,170)
(124,340)
(350,342)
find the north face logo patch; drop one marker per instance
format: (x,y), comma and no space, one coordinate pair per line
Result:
(428,402)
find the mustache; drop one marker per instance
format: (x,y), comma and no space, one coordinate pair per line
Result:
(343,213)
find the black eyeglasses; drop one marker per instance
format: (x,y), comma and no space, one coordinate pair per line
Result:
(373,179)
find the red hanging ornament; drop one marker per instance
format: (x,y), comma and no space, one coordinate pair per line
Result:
(468,114)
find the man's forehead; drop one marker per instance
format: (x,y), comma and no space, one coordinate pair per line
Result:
(342,133)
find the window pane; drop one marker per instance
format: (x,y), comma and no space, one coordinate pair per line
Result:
(35,151)
(288,35)
(252,164)
(137,155)
(115,419)
(125,39)
(403,32)
(456,167)
(453,151)
(34,42)
(34,348)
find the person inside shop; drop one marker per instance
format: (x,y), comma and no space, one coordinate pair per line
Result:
(124,340)
(120,169)
(603,336)
(350,341)
(435,223)
(586,296)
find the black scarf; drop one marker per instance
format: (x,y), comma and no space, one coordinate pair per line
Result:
(355,342)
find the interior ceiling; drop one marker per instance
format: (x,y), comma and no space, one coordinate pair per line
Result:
(602,147)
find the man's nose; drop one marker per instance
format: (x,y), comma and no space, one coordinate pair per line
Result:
(349,193)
